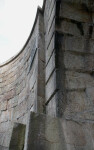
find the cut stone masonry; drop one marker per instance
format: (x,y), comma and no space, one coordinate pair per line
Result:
(47,89)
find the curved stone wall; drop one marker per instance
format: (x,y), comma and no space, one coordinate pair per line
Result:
(19,82)
(14,83)
(52,75)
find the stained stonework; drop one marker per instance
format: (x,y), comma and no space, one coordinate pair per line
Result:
(17,137)
(51,133)
(53,75)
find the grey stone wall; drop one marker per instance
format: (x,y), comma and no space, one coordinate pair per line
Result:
(20,81)
(51,133)
(74,27)
(50,71)
(53,74)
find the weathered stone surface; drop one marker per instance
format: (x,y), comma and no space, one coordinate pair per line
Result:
(68,28)
(90,94)
(77,80)
(85,63)
(51,86)
(53,133)
(77,101)
(18,137)
(50,67)
(69,63)
(51,19)
(4,116)
(50,105)
(53,74)
(74,133)
(78,44)
(3,148)
(51,48)
(46,133)
(3,105)
(74,44)
(19,81)
(12,102)
(1,138)
(7,137)
(72,11)
(52,3)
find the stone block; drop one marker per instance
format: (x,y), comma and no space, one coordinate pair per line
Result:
(51,19)
(32,97)
(1,138)
(3,105)
(50,49)
(93,34)
(44,133)
(90,94)
(18,137)
(33,77)
(83,63)
(17,112)
(3,148)
(75,44)
(50,34)
(9,95)
(4,116)
(85,2)
(50,67)
(5,126)
(76,80)
(78,44)
(68,28)
(51,86)
(52,3)
(74,11)
(51,107)
(23,119)
(22,95)
(74,62)
(12,102)
(74,133)
(76,102)
(7,137)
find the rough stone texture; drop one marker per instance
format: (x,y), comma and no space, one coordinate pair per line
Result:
(5,134)
(74,59)
(22,81)
(55,134)
(18,137)
(53,74)
(44,133)
(3,148)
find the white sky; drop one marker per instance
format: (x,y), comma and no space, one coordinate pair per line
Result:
(16,21)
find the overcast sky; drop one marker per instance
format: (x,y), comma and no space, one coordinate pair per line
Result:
(16,21)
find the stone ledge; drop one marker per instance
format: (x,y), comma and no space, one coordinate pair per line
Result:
(47,133)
